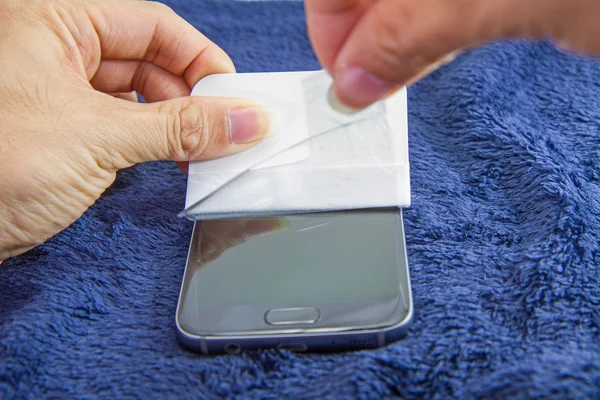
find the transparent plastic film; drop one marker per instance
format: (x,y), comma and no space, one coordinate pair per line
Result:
(319,160)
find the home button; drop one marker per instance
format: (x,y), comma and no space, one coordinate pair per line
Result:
(292,316)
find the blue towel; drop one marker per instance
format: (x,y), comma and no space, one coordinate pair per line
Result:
(503,244)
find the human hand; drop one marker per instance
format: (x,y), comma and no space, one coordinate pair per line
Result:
(371,48)
(65,68)
(215,237)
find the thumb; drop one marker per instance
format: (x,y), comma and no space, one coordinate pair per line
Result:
(399,41)
(184,129)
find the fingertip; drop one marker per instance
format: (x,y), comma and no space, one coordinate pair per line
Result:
(212,60)
(338,105)
(209,128)
(251,124)
(355,88)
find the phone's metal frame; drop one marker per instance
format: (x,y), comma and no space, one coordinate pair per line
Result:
(322,340)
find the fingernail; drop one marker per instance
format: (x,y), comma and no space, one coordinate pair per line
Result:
(428,70)
(251,124)
(448,58)
(562,46)
(337,105)
(360,88)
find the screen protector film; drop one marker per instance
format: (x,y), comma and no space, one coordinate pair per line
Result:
(351,266)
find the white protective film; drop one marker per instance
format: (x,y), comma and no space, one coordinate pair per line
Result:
(319,160)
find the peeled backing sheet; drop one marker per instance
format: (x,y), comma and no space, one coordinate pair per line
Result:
(320,159)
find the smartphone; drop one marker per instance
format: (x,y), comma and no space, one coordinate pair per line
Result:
(308,282)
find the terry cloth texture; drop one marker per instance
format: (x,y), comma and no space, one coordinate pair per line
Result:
(503,244)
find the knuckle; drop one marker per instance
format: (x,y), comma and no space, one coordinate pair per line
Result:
(187,130)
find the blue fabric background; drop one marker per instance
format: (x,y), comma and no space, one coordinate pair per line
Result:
(503,244)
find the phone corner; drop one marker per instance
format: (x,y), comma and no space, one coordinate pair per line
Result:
(193,343)
(400,330)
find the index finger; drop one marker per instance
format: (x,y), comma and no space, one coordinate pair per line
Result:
(152,32)
(329,25)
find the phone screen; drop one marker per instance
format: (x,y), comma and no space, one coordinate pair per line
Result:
(345,261)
